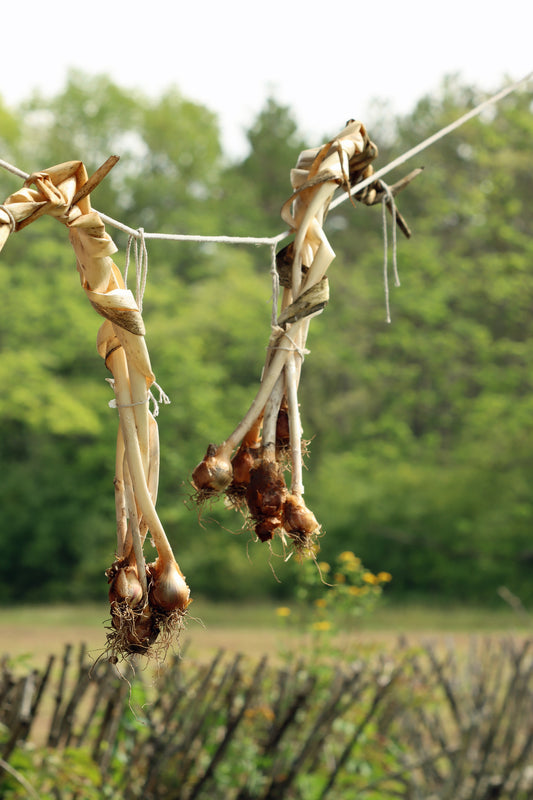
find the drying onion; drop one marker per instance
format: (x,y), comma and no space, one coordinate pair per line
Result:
(168,590)
(126,587)
(214,473)
(266,491)
(298,520)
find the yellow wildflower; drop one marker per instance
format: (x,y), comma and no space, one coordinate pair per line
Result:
(347,555)
(339,577)
(384,577)
(369,577)
(320,602)
(357,590)
(353,565)
(324,566)
(283,611)
(324,625)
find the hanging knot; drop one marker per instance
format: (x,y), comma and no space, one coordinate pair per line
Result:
(163,399)
(302,351)
(138,241)
(388,199)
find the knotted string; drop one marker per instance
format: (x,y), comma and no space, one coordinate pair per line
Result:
(141,264)
(388,197)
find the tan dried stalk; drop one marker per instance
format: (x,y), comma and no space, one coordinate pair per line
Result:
(62,191)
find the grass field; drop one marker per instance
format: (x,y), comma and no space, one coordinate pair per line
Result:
(31,633)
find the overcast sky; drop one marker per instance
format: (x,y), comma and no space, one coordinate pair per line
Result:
(328,61)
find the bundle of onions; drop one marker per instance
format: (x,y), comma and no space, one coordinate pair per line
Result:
(147,602)
(256,472)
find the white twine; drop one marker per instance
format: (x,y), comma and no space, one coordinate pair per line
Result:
(388,197)
(162,400)
(269,240)
(275,285)
(432,139)
(140,234)
(141,265)
(302,351)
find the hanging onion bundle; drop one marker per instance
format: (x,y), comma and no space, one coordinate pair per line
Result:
(148,601)
(250,465)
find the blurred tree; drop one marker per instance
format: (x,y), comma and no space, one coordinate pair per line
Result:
(421,431)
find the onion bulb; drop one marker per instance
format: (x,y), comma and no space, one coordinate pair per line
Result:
(282,427)
(264,528)
(126,587)
(298,520)
(214,473)
(266,490)
(169,590)
(242,462)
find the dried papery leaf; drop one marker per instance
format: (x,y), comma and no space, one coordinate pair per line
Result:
(311,301)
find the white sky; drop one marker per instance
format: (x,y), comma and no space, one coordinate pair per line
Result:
(327,61)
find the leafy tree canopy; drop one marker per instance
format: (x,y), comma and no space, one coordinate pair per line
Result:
(421,430)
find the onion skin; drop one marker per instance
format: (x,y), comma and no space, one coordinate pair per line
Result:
(298,520)
(126,587)
(266,491)
(168,590)
(283,436)
(243,462)
(265,528)
(214,473)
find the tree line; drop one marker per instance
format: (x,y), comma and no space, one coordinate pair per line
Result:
(420,431)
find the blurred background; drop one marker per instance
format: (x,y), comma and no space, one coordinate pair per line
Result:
(420,458)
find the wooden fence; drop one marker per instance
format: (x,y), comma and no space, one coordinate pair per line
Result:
(421,722)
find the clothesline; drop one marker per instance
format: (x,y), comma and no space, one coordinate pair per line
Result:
(271,241)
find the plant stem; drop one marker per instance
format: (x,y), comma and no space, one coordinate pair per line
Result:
(120,501)
(281,348)
(295,426)
(117,363)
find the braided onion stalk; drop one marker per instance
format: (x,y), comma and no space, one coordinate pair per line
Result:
(148,601)
(250,465)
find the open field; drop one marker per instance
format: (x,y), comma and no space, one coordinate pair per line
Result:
(31,633)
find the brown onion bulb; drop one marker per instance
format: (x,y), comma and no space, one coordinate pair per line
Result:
(266,490)
(283,435)
(214,473)
(169,590)
(243,462)
(298,520)
(264,528)
(126,587)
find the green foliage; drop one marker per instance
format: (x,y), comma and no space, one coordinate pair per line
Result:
(421,431)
